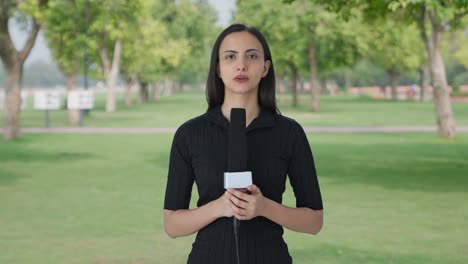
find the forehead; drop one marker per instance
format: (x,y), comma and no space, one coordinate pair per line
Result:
(240,41)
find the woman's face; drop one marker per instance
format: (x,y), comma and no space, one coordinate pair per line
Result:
(241,63)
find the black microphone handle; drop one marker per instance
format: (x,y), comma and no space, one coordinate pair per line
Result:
(237,157)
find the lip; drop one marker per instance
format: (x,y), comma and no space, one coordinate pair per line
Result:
(241,78)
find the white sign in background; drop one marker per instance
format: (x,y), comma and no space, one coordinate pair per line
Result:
(47,100)
(80,100)
(24,100)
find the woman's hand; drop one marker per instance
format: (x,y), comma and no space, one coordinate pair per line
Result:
(246,206)
(223,205)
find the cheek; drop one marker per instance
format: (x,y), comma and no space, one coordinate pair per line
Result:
(222,71)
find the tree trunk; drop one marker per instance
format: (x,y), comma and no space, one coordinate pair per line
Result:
(347,81)
(281,88)
(13,61)
(168,87)
(177,87)
(333,87)
(383,89)
(425,81)
(110,99)
(70,84)
(12,104)
(156,92)
(144,94)
(293,82)
(323,86)
(443,105)
(393,76)
(128,90)
(111,72)
(314,85)
(301,85)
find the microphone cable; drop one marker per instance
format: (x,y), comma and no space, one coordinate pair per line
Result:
(236,225)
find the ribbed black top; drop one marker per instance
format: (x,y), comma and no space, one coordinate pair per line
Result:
(277,147)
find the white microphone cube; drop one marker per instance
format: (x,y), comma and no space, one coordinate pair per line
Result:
(237,180)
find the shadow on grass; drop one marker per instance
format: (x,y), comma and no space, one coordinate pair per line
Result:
(424,167)
(336,254)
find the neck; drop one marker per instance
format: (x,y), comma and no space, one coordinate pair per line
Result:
(249,103)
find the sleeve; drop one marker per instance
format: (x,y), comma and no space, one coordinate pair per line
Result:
(302,173)
(180,176)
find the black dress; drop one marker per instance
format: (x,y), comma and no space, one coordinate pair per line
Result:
(277,146)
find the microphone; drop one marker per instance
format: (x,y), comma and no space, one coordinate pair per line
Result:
(237,176)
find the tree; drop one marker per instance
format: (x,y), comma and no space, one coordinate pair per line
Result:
(288,55)
(161,50)
(396,48)
(317,35)
(434,18)
(110,21)
(195,23)
(65,31)
(13,60)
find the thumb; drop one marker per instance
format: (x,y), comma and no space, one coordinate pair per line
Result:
(253,189)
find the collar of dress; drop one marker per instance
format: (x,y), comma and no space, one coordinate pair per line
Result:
(264,119)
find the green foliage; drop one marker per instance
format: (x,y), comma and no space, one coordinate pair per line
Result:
(193,22)
(173,41)
(280,26)
(460,79)
(396,47)
(149,49)
(290,28)
(66,33)
(35,9)
(110,21)
(365,73)
(460,39)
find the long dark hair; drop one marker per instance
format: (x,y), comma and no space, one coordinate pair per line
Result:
(215,85)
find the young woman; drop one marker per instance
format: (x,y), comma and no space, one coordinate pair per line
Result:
(241,75)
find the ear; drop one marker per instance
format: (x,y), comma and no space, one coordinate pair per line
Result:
(266,68)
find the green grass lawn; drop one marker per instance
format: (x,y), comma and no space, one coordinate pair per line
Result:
(171,111)
(389,198)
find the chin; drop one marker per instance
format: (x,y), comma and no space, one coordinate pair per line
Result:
(242,90)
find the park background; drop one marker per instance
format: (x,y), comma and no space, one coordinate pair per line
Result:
(394,192)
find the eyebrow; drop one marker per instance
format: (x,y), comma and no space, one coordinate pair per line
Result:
(233,51)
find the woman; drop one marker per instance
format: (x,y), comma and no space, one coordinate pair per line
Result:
(241,75)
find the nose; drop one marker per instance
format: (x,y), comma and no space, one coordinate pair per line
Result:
(242,64)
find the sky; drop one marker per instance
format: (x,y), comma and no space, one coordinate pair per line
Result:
(42,52)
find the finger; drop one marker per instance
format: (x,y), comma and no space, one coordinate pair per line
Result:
(238,194)
(237,211)
(238,202)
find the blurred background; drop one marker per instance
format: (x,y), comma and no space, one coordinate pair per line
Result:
(91,92)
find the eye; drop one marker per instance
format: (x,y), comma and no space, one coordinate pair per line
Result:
(252,56)
(230,57)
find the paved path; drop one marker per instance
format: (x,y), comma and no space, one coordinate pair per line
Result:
(160,130)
